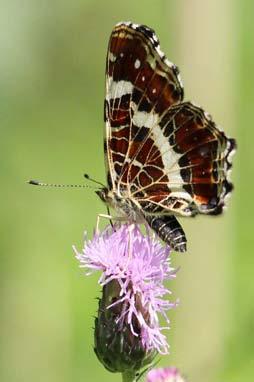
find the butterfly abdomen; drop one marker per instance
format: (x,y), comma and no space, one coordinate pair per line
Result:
(169,230)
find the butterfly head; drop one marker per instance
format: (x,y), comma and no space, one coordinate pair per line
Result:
(103,194)
(113,199)
(121,203)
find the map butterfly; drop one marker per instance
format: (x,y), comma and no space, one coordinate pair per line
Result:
(164,157)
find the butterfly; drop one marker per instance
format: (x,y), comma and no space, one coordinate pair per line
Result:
(164,157)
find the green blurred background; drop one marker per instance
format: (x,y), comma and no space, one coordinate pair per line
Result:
(52,63)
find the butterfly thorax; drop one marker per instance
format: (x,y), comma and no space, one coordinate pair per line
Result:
(121,204)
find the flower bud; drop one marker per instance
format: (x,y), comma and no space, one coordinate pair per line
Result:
(116,347)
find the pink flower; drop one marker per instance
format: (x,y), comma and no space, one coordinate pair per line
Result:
(168,374)
(139,264)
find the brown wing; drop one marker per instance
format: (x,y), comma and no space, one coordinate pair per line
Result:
(183,165)
(140,85)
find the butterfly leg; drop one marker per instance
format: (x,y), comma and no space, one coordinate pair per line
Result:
(110,218)
(98,220)
(130,246)
(169,230)
(130,230)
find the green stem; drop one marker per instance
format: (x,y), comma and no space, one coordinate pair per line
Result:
(129,376)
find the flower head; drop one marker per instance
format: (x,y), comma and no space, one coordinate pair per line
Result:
(134,267)
(167,374)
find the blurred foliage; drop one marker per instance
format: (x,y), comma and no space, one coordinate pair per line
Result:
(51,109)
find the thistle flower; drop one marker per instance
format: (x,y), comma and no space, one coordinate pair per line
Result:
(168,374)
(134,266)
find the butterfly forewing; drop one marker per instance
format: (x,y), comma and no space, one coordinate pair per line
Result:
(136,93)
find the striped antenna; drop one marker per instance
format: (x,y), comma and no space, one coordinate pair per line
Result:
(38,183)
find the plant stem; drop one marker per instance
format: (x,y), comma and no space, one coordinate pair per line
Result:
(129,376)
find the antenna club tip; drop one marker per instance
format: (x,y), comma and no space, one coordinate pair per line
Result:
(34,182)
(86,176)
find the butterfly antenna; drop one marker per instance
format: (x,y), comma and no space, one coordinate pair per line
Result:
(93,180)
(37,183)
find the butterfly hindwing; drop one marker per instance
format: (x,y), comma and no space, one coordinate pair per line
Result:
(185,170)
